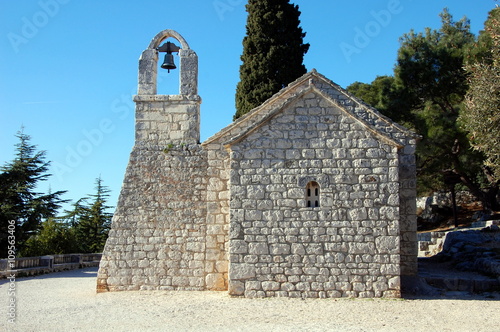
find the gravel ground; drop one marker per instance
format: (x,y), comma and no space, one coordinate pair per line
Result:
(67,301)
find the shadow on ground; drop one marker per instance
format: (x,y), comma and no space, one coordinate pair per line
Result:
(90,272)
(439,280)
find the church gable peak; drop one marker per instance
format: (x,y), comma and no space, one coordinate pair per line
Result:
(329,92)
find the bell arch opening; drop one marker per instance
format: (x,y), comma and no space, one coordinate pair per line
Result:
(168,78)
(151,73)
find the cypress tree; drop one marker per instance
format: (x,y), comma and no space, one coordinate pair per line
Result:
(273,52)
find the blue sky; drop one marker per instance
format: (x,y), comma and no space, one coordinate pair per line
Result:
(68,68)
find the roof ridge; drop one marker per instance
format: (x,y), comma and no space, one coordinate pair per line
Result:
(369,108)
(289,89)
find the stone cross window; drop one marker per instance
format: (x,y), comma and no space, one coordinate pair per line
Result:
(312,194)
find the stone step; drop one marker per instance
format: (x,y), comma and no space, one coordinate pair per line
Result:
(460,284)
(443,276)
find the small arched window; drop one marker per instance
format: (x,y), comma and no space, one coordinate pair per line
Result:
(312,194)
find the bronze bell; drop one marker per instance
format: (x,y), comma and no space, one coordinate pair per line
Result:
(168,63)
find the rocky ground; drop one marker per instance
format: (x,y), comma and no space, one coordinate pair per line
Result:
(473,250)
(465,255)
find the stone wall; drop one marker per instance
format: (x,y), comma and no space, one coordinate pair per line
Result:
(349,246)
(217,217)
(407,167)
(158,235)
(167,119)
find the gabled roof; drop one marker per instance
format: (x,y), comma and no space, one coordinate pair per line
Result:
(312,81)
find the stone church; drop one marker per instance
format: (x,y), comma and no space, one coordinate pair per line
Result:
(311,194)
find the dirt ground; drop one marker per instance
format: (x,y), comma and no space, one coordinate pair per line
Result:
(67,301)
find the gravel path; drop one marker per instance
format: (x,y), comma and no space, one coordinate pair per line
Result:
(67,301)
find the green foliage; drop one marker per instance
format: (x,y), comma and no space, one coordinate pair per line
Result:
(386,96)
(273,52)
(483,50)
(37,229)
(169,147)
(370,93)
(55,238)
(84,229)
(430,64)
(428,93)
(482,116)
(92,222)
(18,199)
(430,73)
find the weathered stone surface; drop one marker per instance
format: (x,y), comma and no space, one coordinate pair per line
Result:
(241,271)
(236,287)
(238,247)
(258,248)
(215,281)
(387,244)
(270,285)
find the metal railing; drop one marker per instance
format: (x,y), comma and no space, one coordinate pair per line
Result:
(46,264)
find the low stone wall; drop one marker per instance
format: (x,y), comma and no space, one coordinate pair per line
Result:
(430,243)
(444,199)
(26,266)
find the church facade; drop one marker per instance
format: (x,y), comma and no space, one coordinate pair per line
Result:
(311,194)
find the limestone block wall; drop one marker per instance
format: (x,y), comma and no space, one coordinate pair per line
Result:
(158,234)
(407,168)
(217,239)
(349,245)
(231,213)
(167,119)
(408,209)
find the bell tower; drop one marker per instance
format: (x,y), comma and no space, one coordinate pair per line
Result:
(167,119)
(158,233)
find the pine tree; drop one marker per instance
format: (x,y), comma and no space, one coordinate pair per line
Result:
(273,52)
(93,220)
(19,202)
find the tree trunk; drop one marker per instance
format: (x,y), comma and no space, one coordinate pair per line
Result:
(487,197)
